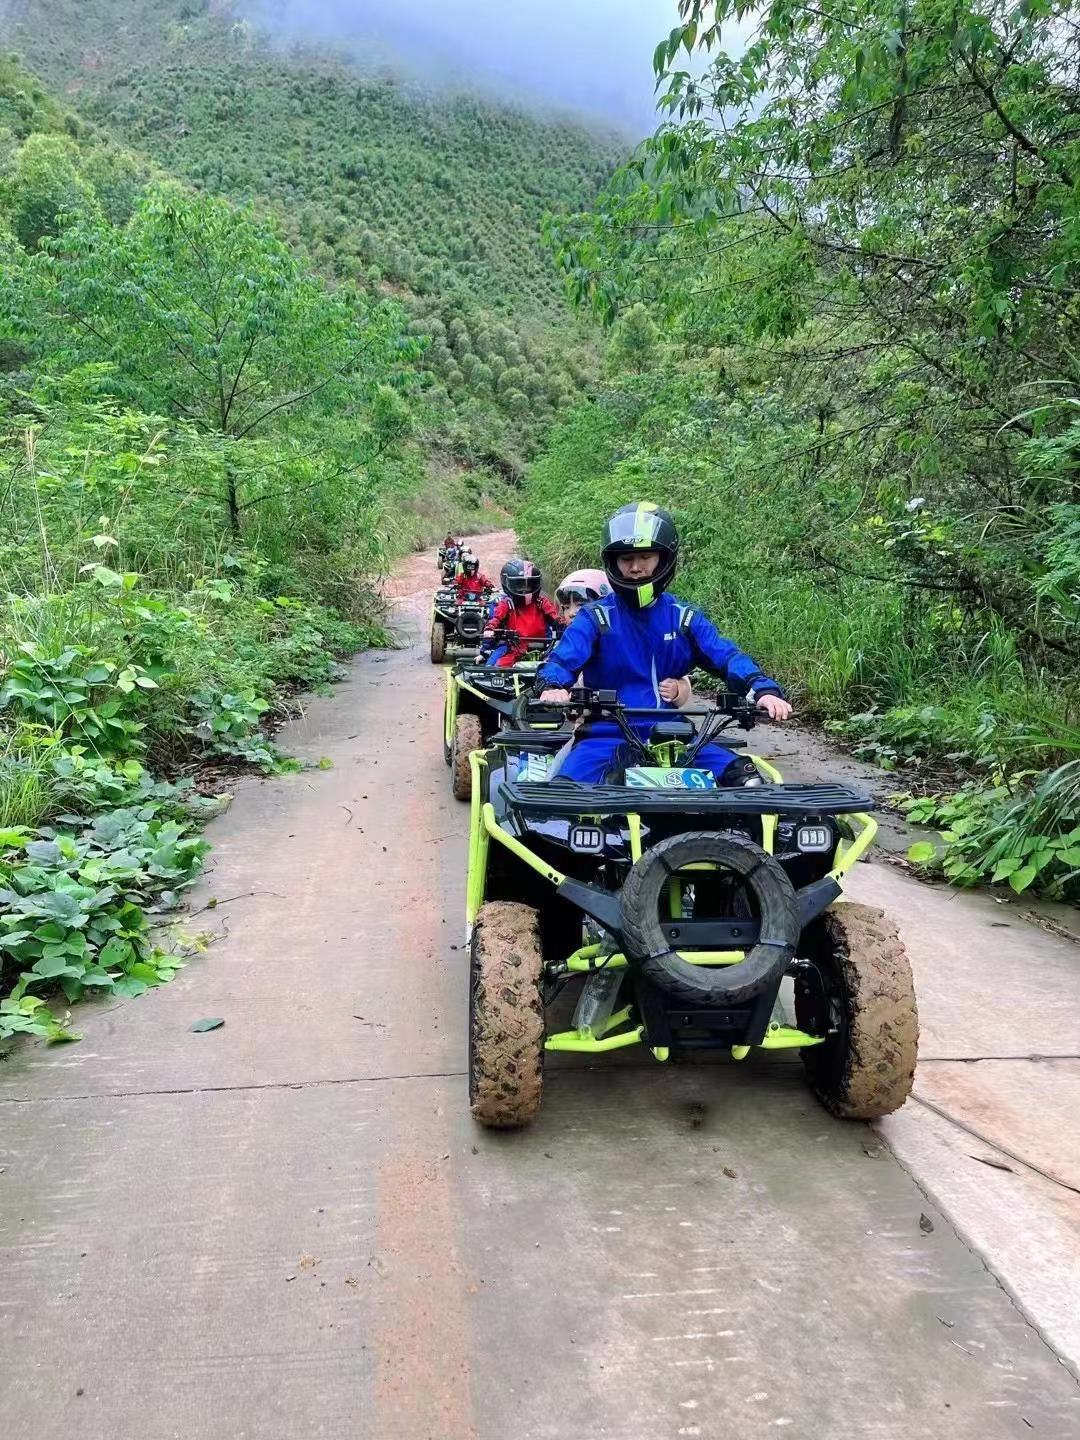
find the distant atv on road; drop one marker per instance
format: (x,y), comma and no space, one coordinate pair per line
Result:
(456,624)
(690,916)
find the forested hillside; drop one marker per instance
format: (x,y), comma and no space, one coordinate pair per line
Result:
(846,330)
(434,198)
(264,325)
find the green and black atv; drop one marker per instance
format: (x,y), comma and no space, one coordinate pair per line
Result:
(691,916)
(456,625)
(480,698)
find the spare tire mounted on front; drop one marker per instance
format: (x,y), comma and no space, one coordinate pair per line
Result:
(764,881)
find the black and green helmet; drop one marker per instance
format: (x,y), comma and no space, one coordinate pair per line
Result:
(640,526)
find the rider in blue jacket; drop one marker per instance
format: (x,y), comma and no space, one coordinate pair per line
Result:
(639,640)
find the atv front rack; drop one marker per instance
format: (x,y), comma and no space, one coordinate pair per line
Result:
(550,798)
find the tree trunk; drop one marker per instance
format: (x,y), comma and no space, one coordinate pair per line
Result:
(231,497)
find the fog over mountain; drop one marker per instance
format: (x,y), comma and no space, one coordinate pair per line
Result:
(587,55)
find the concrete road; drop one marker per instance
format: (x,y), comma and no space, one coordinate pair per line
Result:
(289,1228)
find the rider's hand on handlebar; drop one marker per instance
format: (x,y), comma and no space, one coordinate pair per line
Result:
(774,707)
(555,697)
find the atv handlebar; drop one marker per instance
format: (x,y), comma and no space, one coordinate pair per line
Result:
(597,704)
(585,704)
(502,635)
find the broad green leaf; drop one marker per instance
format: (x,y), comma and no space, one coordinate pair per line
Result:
(1021,879)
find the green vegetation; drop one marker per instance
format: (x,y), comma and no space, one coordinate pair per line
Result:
(435,200)
(845,338)
(208,456)
(268,321)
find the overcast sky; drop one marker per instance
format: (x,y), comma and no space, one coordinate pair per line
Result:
(590,55)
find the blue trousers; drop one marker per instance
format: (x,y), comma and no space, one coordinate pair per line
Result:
(590,759)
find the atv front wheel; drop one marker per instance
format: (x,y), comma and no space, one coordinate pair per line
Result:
(506,1016)
(859,985)
(467,738)
(438,642)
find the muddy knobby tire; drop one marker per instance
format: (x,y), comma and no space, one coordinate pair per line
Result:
(438,642)
(867,1070)
(467,738)
(506,1016)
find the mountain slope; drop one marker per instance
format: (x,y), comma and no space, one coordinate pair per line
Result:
(434,198)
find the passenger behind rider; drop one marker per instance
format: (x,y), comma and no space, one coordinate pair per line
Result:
(470,582)
(580,588)
(640,642)
(522,615)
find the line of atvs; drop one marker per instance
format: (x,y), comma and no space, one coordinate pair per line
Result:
(658,909)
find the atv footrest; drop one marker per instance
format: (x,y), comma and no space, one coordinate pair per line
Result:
(529,742)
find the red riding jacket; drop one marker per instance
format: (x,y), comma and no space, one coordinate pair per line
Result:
(471,585)
(526,622)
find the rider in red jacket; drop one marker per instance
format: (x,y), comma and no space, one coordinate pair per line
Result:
(525,613)
(470,582)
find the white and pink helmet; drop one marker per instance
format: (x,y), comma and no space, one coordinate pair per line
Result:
(581,586)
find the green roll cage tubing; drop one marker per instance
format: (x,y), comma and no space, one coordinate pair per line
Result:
(484,827)
(524,671)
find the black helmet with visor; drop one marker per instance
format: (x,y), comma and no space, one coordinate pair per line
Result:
(520,578)
(635,528)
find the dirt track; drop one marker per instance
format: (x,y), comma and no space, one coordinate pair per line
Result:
(289,1227)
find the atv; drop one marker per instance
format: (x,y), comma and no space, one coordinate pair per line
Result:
(480,698)
(456,624)
(690,916)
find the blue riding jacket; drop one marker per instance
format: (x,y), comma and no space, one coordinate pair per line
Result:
(629,649)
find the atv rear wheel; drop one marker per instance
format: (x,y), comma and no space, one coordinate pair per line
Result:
(438,642)
(506,1016)
(467,738)
(866,994)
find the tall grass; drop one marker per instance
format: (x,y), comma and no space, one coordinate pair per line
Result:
(25,779)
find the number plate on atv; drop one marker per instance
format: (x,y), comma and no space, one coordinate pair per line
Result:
(663,777)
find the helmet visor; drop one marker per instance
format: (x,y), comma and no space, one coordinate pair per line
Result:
(576,593)
(522,584)
(637,529)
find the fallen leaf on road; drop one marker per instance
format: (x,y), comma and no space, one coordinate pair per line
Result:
(214,1023)
(926,1225)
(731,1174)
(306,1262)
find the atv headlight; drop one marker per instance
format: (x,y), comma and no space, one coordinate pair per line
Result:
(497,682)
(813,839)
